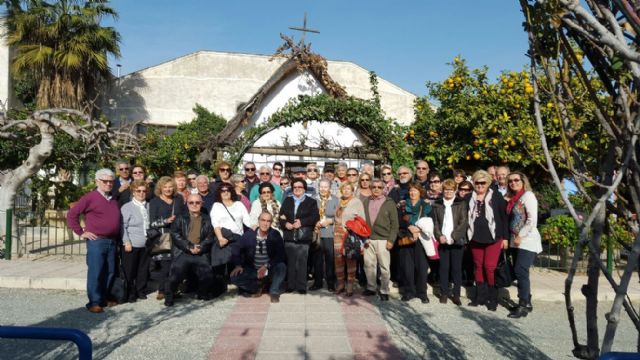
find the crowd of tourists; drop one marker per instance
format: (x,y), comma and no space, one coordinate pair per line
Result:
(344,228)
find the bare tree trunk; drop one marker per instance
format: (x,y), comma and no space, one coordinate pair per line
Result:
(591,289)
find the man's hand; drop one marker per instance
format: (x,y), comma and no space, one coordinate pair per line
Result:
(128,247)
(262,272)
(389,245)
(87,235)
(236,271)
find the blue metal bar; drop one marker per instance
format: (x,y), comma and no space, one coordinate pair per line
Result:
(85,348)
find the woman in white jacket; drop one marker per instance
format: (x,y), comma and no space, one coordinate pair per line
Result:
(525,241)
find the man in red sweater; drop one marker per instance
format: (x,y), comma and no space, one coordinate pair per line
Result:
(101,231)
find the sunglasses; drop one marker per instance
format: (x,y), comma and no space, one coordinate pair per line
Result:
(284,184)
(403,173)
(106,181)
(514,181)
(194,202)
(435,181)
(124,169)
(422,168)
(138,172)
(387,174)
(265,173)
(191,178)
(312,170)
(249,169)
(225,190)
(141,191)
(277,169)
(352,174)
(365,179)
(377,187)
(480,183)
(224,170)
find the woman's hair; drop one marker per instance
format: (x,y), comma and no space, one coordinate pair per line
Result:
(363,175)
(434,174)
(225,185)
(459,172)
(417,186)
(345,184)
(236,178)
(164,181)
(265,185)
(179,174)
(525,182)
(140,167)
(299,180)
(137,183)
(449,184)
(482,175)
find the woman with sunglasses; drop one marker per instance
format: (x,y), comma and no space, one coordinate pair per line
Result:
(135,259)
(488,233)
(386,172)
(265,203)
(163,210)
(364,187)
(524,239)
(239,186)
(228,218)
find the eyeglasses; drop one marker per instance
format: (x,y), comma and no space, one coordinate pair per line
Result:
(249,169)
(480,183)
(106,181)
(387,174)
(377,187)
(422,168)
(403,173)
(312,170)
(141,191)
(265,173)
(224,170)
(514,181)
(265,192)
(124,169)
(435,181)
(352,174)
(194,202)
(365,179)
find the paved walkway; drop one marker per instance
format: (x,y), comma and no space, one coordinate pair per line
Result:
(318,326)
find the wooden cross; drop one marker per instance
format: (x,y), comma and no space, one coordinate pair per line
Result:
(304,28)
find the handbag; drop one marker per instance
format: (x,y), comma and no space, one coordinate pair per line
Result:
(405,238)
(222,255)
(504,271)
(161,243)
(119,289)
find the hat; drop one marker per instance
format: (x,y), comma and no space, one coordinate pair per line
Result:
(328,168)
(298,169)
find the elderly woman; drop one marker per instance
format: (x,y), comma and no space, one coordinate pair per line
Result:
(450,230)
(413,265)
(298,217)
(228,218)
(524,238)
(265,203)
(324,266)
(364,186)
(488,234)
(386,174)
(348,207)
(239,187)
(135,259)
(435,186)
(138,173)
(163,210)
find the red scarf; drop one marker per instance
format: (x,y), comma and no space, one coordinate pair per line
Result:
(513,200)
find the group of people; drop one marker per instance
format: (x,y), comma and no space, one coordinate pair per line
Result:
(267,232)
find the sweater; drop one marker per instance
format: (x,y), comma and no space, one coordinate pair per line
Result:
(101,216)
(386,224)
(523,222)
(133,227)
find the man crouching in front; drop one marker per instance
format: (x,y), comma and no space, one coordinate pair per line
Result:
(192,237)
(259,257)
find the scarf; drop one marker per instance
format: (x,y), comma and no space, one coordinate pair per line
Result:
(296,202)
(275,209)
(142,207)
(415,211)
(447,222)
(388,187)
(323,206)
(512,202)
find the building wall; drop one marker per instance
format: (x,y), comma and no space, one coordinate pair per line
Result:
(6,90)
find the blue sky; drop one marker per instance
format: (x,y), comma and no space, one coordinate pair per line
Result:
(406,42)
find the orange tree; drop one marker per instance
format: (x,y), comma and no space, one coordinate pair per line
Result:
(476,123)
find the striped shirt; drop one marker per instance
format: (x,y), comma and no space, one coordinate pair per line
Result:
(261,257)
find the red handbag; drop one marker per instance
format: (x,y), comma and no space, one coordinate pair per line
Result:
(359,226)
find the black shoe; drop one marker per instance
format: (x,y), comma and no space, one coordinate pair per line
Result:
(275,299)
(368,292)
(302,292)
(518,313)
(315,287)
(290,290)
(492,301)
(425,300)
(142,296)
(443,299)
(456,300)
(384,297)
(481,295)
(406,298)
(331,288)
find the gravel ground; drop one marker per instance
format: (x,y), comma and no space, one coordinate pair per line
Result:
(148,330)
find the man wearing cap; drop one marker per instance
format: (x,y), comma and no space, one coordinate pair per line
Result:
(265,177)
(299,173)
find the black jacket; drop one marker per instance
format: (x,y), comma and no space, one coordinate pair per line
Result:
(244,250)
(460,220)
(308,214)
(180,230)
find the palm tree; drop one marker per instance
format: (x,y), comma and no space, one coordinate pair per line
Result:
(62,45)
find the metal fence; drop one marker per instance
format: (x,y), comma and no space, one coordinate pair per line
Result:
(42,233)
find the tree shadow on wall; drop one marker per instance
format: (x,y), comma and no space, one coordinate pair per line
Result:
(123,103)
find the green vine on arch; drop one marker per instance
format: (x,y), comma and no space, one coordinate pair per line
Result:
(382,135)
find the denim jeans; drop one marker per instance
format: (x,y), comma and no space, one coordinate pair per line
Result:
(522,262)
(248,280)
(101,264)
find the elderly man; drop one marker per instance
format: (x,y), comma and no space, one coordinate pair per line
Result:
(250,176)
(422,174)
(312,178)
(502,173)
(265,177)
(124,180)
(400,193)
(341,172)
(382,217)
(208,196)
(192,237)
(367,168)
(329,174)
(259,258)
(101,231)
(191,178)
